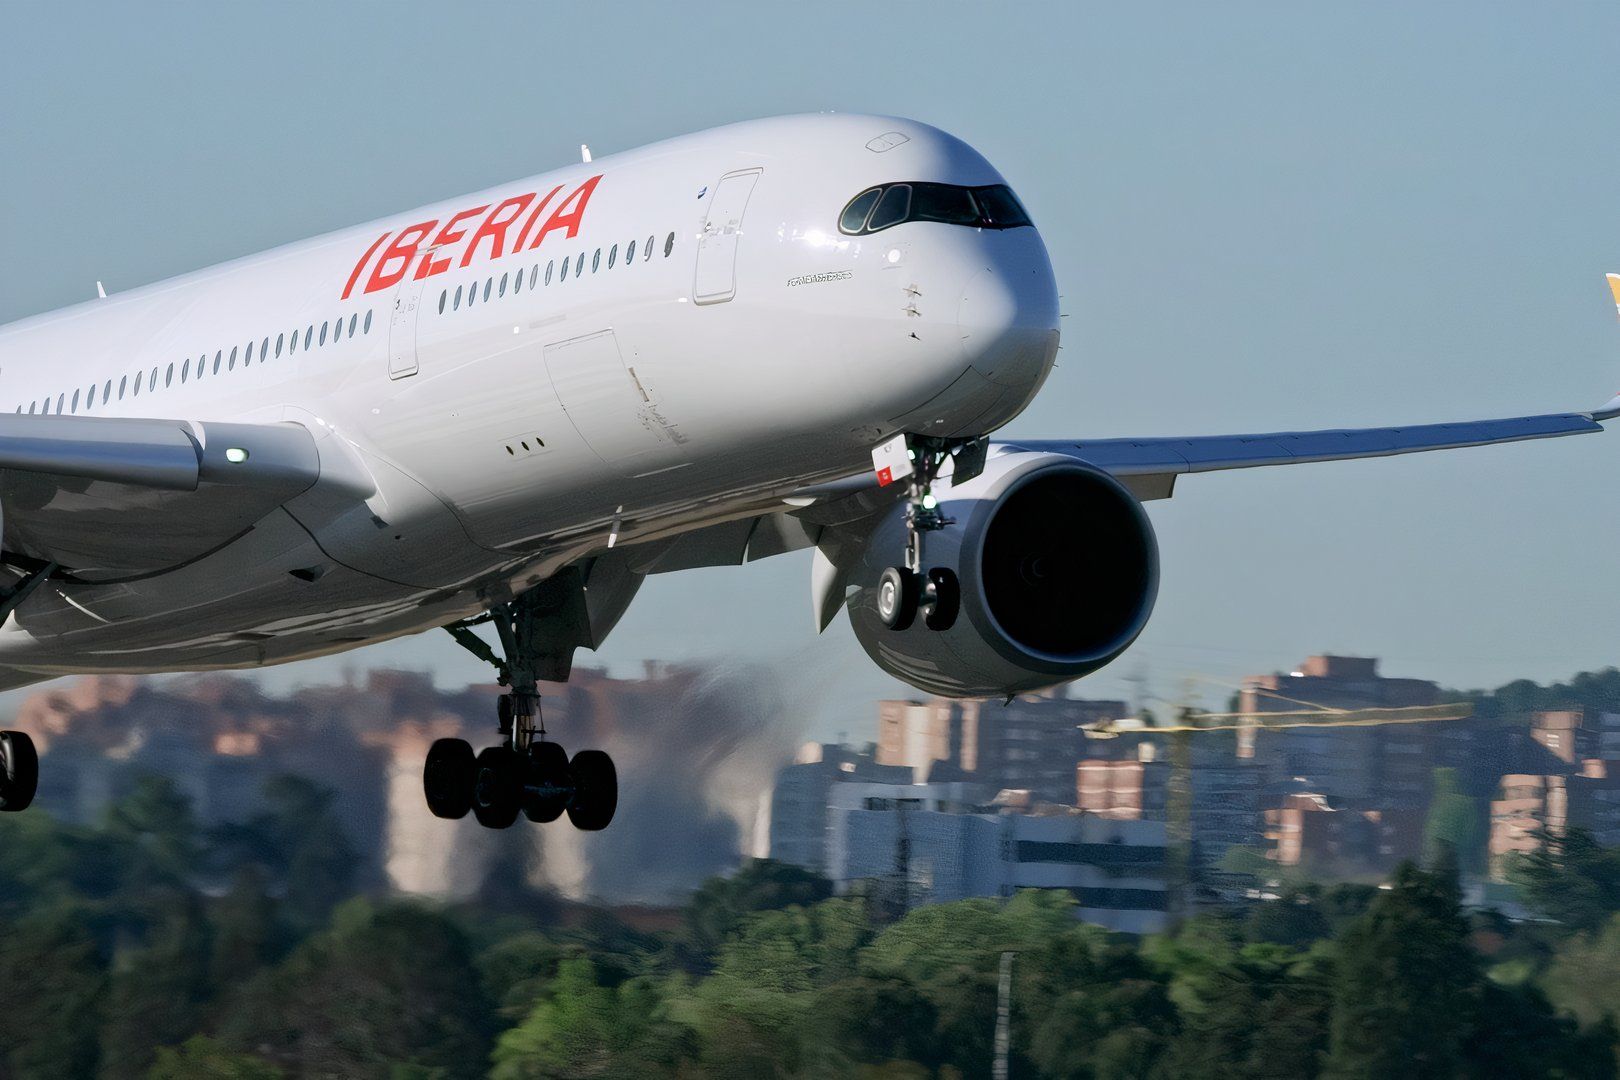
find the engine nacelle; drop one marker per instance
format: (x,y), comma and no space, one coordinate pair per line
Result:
(1058,568)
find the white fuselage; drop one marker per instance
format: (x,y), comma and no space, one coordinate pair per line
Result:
(716,344)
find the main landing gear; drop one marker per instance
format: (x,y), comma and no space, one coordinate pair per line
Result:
(19,771)
(907,590)
(526,773)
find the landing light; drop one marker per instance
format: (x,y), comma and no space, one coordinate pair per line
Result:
(929,502)
(236,455)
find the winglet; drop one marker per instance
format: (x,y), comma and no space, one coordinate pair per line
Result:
(1612,408)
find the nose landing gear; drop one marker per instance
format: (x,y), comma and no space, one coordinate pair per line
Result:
(904,591)
(526,773)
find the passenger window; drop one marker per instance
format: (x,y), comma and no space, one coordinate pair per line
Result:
(489,285)
(669,245)
(549,264)
(455,305)
(90,401)
(264,351)
(185,369)
(648,254)
(534,275)
(308,334)
(31,406)
(152,383)
(596,260)
(367,326)
(123,384)
(135,391)
(168,376)
(562,275)
(579,265)
(324,325)
(281,339)
(502,291)
(337,329)
(517,283)
(630,253)
(854,217)
(75,407)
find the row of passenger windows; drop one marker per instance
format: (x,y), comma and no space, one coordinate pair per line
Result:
(554,271)
(313,337)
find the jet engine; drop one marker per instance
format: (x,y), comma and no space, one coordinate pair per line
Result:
(1056,568)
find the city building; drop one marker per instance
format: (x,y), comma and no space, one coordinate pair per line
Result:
(1307,831)
(1374,767)
(799,799)
(1127,790)
(1031,743)
(936,843)
(1575,782)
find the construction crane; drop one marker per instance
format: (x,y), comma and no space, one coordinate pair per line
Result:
(1180,869)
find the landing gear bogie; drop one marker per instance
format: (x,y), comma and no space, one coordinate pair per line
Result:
(526,773)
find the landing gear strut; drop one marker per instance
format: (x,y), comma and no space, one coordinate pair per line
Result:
(904,591)
(526,773)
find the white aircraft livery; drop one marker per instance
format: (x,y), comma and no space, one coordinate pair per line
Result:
(511,407)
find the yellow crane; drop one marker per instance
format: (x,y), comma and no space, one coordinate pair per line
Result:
(1190,721)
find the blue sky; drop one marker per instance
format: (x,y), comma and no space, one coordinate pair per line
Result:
(1262,217)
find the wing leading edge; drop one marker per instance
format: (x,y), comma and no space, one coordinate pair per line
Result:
(1150,466)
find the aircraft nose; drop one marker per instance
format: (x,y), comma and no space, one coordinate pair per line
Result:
(1008,318)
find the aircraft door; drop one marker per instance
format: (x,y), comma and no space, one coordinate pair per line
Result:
(402,324)
(716,279)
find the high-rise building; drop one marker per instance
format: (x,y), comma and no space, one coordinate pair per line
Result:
(1031,743)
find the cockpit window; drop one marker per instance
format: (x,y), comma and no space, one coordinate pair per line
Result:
(992,207)
(854,219)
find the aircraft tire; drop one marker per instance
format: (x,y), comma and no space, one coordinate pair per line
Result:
(596,791)
(498,787)
(19,771)
(447,778)
(548,772)
(897,593)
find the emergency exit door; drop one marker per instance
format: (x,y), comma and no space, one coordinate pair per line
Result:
(722,229)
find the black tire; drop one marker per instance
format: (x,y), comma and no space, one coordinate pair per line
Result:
(497,787)
(19,771)
(549,782)
(447,778)
(596,790)
(947,599)
(897,591)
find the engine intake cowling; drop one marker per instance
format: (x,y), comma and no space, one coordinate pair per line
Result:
(1058,569)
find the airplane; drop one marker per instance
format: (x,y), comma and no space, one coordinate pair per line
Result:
(511,407)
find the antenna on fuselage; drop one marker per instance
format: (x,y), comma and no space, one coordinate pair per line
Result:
(585,153)
(101,292)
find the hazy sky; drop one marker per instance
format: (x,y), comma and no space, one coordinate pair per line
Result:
(1261,216)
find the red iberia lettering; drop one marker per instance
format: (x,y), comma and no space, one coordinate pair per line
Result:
(403,249)
(534,215)
(447,235)
(568,215)
(495,227)
(361,265)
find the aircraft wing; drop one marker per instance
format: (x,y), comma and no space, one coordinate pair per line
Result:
(105,497)
(1150,466)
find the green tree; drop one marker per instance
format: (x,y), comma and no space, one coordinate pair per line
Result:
(155,835)
(1582,978)
(584,1028)
(51,986)
(387,987)
(1456,822)
(1407,985)
(158,990)
(1571,878)
(718,908)
(202,1058)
